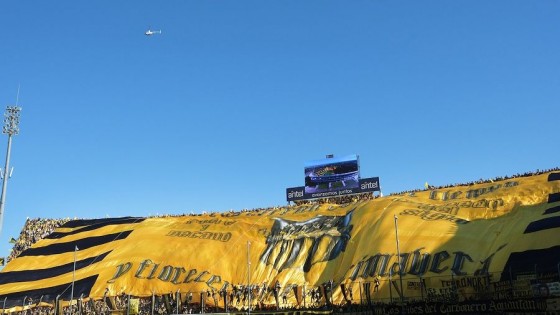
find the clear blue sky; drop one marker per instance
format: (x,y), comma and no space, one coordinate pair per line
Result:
(223,108)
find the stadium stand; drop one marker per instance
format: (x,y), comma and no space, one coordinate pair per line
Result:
(235,298)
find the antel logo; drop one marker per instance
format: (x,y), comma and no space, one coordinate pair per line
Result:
(369,185)
(295,194)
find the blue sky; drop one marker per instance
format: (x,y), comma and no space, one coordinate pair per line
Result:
(223,108)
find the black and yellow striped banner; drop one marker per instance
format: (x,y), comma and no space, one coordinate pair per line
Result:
(462,233)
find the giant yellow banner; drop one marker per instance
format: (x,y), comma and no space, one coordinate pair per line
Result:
(464,237)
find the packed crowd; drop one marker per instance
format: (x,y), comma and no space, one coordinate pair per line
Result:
(480,181)
(340,200)
(33,231)
(237,299)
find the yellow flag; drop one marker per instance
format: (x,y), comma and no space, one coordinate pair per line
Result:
(134,305)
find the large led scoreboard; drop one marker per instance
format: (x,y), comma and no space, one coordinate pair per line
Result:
(332,176)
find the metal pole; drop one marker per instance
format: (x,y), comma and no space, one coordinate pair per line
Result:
(331,289)
(399,259)
(56,305)
(4,306)
(5,176)
(178,299)
(536,273)
(453,286)
(225,299)
(153,303)
(421,287)
(303,293)
(249,276)
(361,300)
(73,279)
(10,128)
(391,284)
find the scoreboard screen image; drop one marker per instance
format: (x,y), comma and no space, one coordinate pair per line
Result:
(332,174)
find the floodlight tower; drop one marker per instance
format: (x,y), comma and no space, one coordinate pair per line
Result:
(11,128)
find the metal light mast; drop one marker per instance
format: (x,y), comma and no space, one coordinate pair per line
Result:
(11,128)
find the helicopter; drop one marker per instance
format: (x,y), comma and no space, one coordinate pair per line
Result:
(150,32)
